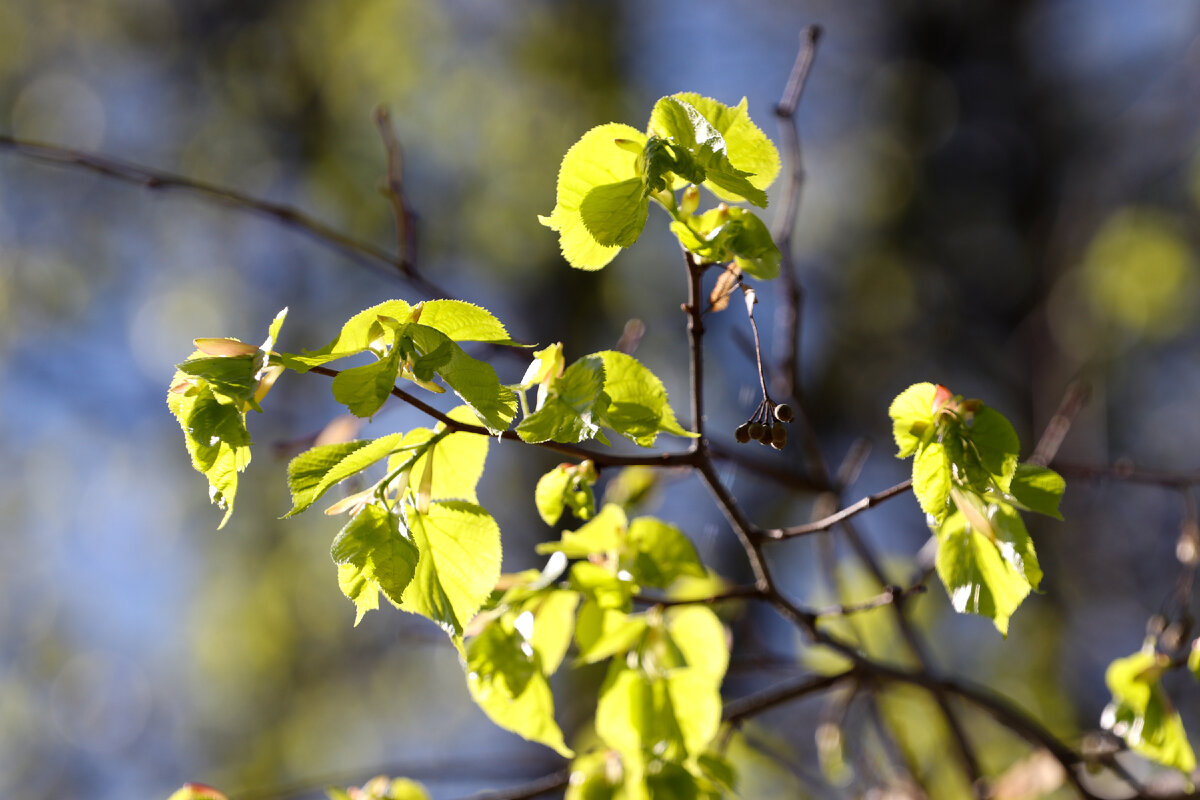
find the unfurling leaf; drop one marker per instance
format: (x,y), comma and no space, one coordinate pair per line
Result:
(1142,714)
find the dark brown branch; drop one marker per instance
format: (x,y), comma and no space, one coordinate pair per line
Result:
(841,516)
(361,252)
(891,594)
(695,327)
(737,710)
(600,459)
(735,593)
(535,788)
(785,220)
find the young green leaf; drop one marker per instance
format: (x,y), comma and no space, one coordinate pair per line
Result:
(363,390)
(661,553)
(372,557)
(1142,714)
(570,407)
(748,149)
(564,487)
(1038,489)
(463,322)
(638,407)
(460,562)
(596,160)
(931,480)
(603,534)
(474,381)
(676,119)
(616,213)
(506,680)
(986,561)
(553,613)
(358,335)
(913,417)
(215,435)
(458,458)
(317,470)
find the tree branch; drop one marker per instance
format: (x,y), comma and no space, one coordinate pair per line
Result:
(360,252)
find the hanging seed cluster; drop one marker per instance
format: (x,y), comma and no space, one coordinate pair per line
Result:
(766,425)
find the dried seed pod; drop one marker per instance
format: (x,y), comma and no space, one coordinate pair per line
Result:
(756,430)
(742,434)
(779,432)
(784,413)
(765,436)
(778,445)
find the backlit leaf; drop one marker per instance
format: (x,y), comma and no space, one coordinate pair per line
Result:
(1038,488)
(572,407)
(460,562)
(912,416)
(373,556)
(638,407)
(315,471)
(596,160)
(1142,714)
(463,322)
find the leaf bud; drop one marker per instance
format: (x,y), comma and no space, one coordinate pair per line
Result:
(587,470)
(742,434)
(756,430)
(691,200)
(784,413)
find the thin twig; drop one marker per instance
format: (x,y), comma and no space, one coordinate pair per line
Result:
(600,459)
(360,252)
(1072,403)
(830,521)
(891,594)
(785,692)
(403,214)
(535,788)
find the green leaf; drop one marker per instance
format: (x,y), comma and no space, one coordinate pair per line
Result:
(701,639)
(358,334)
(606,632)
(631,487)
(638,408)
(1193,663)
(463,322)
(553,625)
(931,480)
(996,445)
(635,714)
(751,245)
(458,458)
(663,553)
(1142,714)
(460,562)
(1038,489)
(746,146)
(912,416)
(506,680)
(684,125)
(977,576)
(381,558)
(216,438)
(474,381)
(231,378)
(616,213)
(596,160)
(696,704)
(563,487)
(603,534)
(317,470)
(601,586)
(363,390)
(570,407)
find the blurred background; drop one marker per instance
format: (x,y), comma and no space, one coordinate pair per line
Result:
(1002,197)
